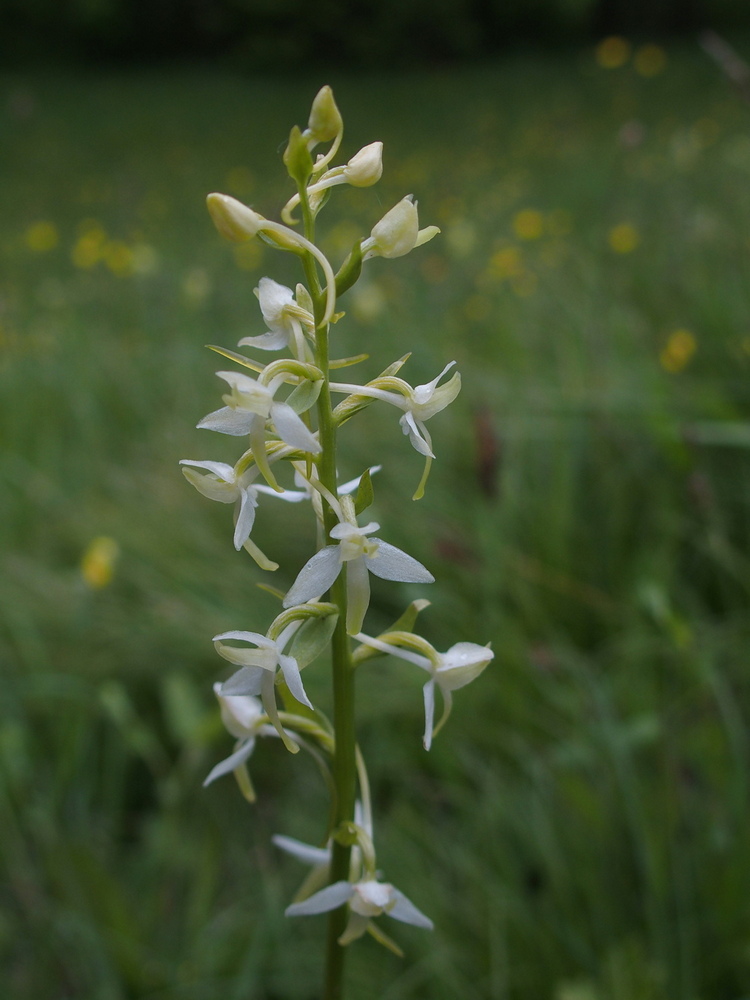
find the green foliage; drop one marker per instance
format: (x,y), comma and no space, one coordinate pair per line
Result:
(583,832)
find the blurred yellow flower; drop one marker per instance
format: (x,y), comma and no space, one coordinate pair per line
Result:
(42,236)
(248,255)
(89,247)
(98,562)
(612,52)
(678,350)
(506,263)
(528,224)
(623,238)
(650,60)
(119,258)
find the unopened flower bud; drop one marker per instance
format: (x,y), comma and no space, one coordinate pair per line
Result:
(366,166)
(235,221)
(398,232)
(325,120)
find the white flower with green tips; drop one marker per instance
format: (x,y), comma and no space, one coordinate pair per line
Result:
(362,556)
(259,664)
(448,671)
(244,718)
(366,899)
(398,232)
(287,321)
(418,403)
(250,405)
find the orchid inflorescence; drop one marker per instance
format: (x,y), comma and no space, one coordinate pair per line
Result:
(285,412)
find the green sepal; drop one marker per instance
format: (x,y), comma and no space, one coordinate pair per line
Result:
(355,359)
(350,270)
(319,609)
(403,624)
(235,356)
(365,493)
(312,638)
(288,366)
(297,158)
(305,395)
(382,938)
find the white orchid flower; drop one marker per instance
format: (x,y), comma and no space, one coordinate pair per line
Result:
(418,404)
(285,318)
(258,670)
(398,232)
(222,482)
(244,718)
(249,405)
(449,671)
(366,899)
(362,555)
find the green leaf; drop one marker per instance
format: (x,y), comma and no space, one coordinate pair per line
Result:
(365,493)
(312,638)
(297,158)
(305,395)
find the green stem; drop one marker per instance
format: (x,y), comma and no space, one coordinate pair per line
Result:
(344,758)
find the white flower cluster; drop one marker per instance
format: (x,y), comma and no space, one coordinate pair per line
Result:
(284,413)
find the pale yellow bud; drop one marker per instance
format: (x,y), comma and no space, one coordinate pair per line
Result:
(366,166)
(325,120)
(235,221)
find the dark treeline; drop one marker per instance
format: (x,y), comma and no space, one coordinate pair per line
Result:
(285,34)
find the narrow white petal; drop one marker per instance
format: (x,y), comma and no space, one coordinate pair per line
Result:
(228,421)
(429,713)
(406,911)
(290,670)
(246,517)
(303,852)
(355,928)
(327,899)
(417,434)
(315,577)
(271,341)
(231,762)
(291,428)
(220,469)
(390,563)
(254,637)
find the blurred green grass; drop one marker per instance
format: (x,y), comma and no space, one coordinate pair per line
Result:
(578,831)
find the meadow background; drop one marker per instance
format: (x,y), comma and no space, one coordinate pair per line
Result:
(579,830)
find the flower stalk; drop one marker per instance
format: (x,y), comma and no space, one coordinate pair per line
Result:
(284,412)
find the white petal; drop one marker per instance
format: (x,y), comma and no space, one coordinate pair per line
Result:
(417,434)
(228,421)
(228,765)
(292,429)
(209,486)
(406,911)
(315,577)
(290,670)
(315,856)
(329,898)
(271,341)
(429,713)
(220,469)
(247,681)
(246,518)
(390,563)
(291,496)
